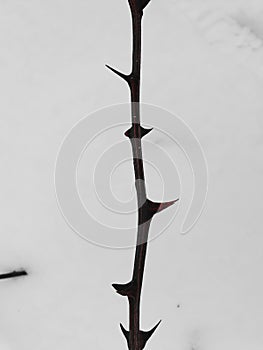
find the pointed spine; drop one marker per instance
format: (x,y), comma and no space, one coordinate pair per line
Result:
(142,4)
(127,289)
(145,336)
(121,75)
(126,334)
(132,133)
(149,209)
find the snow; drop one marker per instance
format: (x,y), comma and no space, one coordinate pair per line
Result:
(233,27)
(202,60)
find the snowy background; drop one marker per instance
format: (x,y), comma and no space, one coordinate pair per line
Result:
(201,60)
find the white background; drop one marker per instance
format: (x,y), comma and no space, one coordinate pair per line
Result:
(201,60)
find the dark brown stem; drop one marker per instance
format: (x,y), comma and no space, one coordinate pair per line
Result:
(13,274)
(135,337)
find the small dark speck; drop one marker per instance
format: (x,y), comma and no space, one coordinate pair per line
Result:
(178,306)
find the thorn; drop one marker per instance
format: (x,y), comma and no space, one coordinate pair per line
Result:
(145,336)
(165,205)
(145,3)
(142,3)
(149,209)
(126,333)
(127,289)
(123,76)
(13,274)
(131,133)
(145,132)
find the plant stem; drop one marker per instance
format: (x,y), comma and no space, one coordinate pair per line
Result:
(135,337)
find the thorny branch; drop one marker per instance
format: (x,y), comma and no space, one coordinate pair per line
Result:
(136,338)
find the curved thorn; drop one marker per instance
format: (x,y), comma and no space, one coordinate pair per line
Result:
(125,333)
(145,3)
(165,205)
(145,336)
(131,134)
(144,131)
(127,289)
(142,4)
(122,75)
(149,209)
